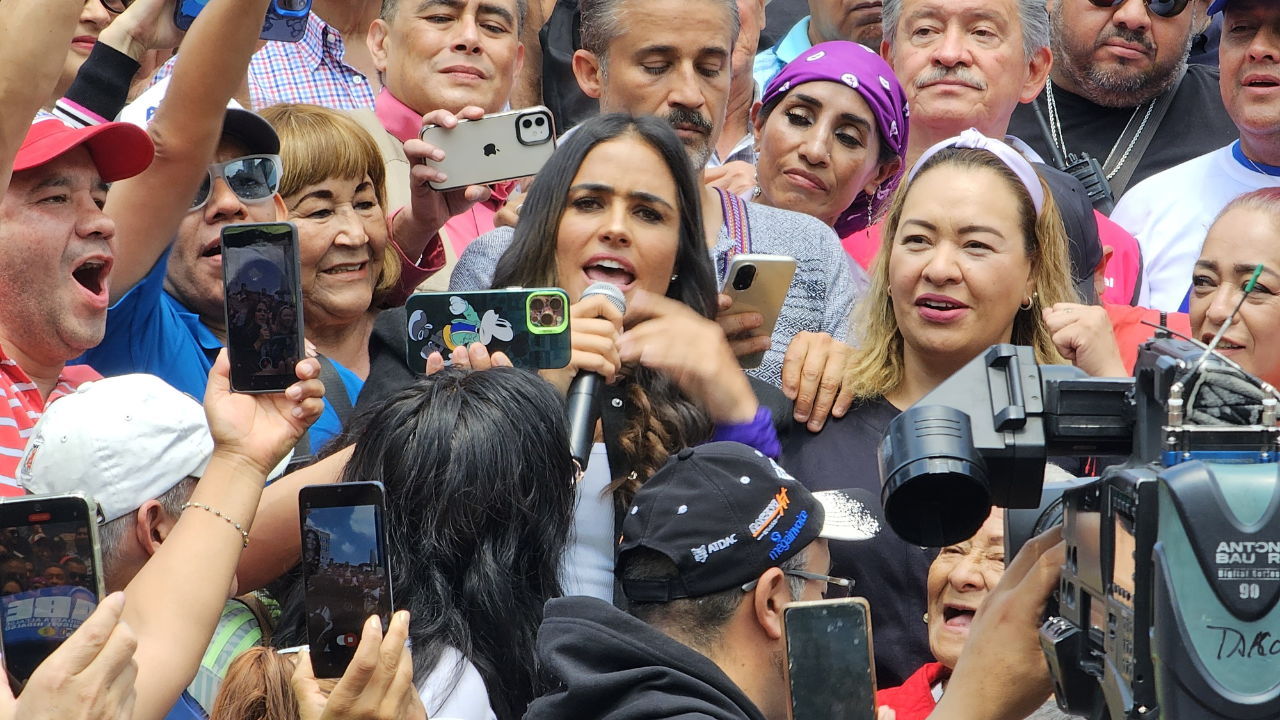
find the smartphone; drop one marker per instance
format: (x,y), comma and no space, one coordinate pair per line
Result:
(286,20)
(530,326)
(504,146)
(262,278)
(50,577)
(345,569)
(830,668)
(758,283)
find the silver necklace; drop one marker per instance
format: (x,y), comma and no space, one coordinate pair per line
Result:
(1055,130)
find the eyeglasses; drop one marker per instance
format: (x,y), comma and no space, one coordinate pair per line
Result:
(115,7)
(1163,8)
(836,587)
(253,178)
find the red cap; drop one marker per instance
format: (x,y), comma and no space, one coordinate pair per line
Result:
(119,150)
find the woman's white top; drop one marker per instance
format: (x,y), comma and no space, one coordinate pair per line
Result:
(468,699)
(588,563)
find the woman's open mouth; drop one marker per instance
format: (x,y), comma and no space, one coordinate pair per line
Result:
(615,272)
(940,308)
(957,618)
(343,269)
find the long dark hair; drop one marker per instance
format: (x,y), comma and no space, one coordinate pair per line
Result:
(480,502)
(660,419)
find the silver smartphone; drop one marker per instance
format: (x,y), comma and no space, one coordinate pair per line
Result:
(758,283)
(50,575)
(499,147)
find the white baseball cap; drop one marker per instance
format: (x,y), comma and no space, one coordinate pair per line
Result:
(124,440)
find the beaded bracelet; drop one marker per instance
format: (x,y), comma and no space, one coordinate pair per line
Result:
(233,523)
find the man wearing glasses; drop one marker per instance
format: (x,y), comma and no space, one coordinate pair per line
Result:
(172,323)
(713,546)
(1120,81)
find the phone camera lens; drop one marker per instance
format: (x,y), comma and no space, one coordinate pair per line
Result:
(557,304)
(527,123)
(547,320)
(744,277)
(540,122)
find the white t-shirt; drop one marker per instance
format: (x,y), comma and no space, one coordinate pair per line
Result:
(588,563)
(467,700)
(1170,214)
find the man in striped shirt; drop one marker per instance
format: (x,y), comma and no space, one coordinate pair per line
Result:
(56,251)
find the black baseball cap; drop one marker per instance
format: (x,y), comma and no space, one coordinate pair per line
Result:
(1084,246)
(724,513)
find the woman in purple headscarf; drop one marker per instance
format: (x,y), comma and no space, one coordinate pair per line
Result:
(830,133)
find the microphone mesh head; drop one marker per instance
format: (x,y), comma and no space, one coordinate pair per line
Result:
(610,291)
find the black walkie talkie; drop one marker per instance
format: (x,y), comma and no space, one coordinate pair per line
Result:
(1085,168)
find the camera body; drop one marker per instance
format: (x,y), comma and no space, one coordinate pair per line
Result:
(1167,604)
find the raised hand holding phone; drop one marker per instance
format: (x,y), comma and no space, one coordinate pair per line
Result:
(261,429)
(378,684)
(428,209)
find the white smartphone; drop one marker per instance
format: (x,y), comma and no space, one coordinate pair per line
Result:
(758,283)
(498,147)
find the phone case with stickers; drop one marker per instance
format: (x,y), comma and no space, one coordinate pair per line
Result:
(286,20)
(531,327)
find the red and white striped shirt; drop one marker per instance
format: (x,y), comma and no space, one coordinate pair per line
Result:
(21,407)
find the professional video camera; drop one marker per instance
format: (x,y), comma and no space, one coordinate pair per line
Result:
(1167,602)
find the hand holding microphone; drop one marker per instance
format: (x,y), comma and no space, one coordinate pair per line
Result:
(599,362)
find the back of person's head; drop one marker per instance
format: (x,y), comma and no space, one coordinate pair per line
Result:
(602,23)
(133,443)
(719,541)
(480,501)
(877,366)
(660,419)
(317,144)
(257,687)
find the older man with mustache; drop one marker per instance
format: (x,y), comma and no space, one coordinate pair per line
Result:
(971,63)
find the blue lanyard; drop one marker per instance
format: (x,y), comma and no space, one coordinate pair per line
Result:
(1238,154)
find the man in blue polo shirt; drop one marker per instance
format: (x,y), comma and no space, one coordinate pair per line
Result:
(828,20)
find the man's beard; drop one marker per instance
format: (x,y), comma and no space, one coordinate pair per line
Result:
(1114,88)
(697,147)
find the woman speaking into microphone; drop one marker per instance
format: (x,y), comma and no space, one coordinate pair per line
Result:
(618,203)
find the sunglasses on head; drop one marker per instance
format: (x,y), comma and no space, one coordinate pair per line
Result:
(253,178)
(1162,8)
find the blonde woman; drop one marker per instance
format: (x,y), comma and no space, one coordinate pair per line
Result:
(973,250)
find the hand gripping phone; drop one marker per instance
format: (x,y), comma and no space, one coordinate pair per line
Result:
(50,577)
(530,326)
(262,276)
(286,20)
(758,283)
(499,147)
(346,571)
(830,667)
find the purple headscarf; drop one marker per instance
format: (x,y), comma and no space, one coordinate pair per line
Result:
(863,70)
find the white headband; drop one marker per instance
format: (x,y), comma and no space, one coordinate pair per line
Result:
(974,140)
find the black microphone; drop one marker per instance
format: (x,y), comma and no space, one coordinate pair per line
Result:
(583,401)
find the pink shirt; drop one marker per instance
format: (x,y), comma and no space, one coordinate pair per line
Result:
(401,121)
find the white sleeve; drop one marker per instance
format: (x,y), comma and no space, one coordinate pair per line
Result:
(465,699)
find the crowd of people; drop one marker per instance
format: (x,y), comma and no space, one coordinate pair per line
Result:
(946,174)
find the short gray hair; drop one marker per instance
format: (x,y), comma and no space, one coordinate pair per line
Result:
(1033,14)
(601,20)
(112,536)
